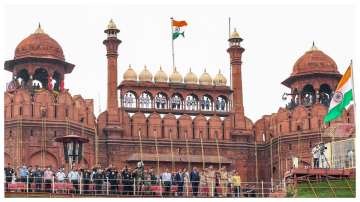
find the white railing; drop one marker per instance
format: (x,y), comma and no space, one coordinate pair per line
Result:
(131,187)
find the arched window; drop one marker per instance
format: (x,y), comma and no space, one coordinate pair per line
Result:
(324,95)
(161,101)
(221,104)
(191,102)
(56,81)
(129,100)
(41,75)
(176,102)
(23,77)
(145,100)
(206,103)
(308,95)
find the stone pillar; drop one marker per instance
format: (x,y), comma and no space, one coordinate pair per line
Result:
(112,43)
(235,51)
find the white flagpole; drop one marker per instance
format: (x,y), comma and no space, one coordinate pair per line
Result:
(172,43)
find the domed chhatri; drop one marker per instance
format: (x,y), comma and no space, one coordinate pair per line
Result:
(39,45)
(190,78)
(205,79)
(220,79)
(160,76)
(314,61)
(130,74)
(175,77)
(145,75)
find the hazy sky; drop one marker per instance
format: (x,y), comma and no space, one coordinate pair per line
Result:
(274,38)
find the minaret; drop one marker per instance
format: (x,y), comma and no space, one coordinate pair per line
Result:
(235,51)
(112,43)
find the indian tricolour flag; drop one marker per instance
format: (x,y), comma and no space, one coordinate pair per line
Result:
(342,97)
(177,28)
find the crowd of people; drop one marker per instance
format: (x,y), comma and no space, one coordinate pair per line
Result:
(208,182)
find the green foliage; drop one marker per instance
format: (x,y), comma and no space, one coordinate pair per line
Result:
(323,189)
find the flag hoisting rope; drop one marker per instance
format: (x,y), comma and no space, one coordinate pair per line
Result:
(176,31)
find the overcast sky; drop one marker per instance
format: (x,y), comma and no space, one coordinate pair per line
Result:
(274,38)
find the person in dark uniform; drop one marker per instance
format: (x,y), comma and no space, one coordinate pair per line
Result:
(31,177)
(217,184)
(38,178)
(179,181)
(127,181)
(99,180)
(9,171)
(195,180)
(86,180)
(111,174)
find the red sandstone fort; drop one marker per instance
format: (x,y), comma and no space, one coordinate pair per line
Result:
(166,121)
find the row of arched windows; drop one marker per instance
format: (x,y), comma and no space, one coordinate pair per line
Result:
(309,96)
(175,102)
(40,79)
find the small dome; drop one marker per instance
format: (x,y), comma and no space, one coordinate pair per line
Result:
(39,45)
(314,61)
(145,75)
(190,78)
(234,34)
(175,77)
(160,76)
(220,79)
(130,74)
(205,78)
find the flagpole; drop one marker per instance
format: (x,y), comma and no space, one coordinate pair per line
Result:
(352,80)
(353,87)
(230,61)
(172,43)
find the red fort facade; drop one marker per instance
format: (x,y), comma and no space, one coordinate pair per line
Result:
(166,121)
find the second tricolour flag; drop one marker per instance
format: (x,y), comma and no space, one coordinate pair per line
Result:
(342,97)
(178,28)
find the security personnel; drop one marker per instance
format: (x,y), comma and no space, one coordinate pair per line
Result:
(9,171)
(86,180)
(127,181)
(98,180)
(38,175)
(31,177)
(111,174)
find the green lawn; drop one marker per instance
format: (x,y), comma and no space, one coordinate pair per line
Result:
(322,189)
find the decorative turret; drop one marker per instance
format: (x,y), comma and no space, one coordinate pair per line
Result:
(51,64)
(220,79)
(130,74)
(190,78)
(175,77)
(160,76)
(313,79)
(205,79)
(145,75)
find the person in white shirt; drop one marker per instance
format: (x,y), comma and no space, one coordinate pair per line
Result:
(166,178)
(316,154)
(60,175)
(74,178)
